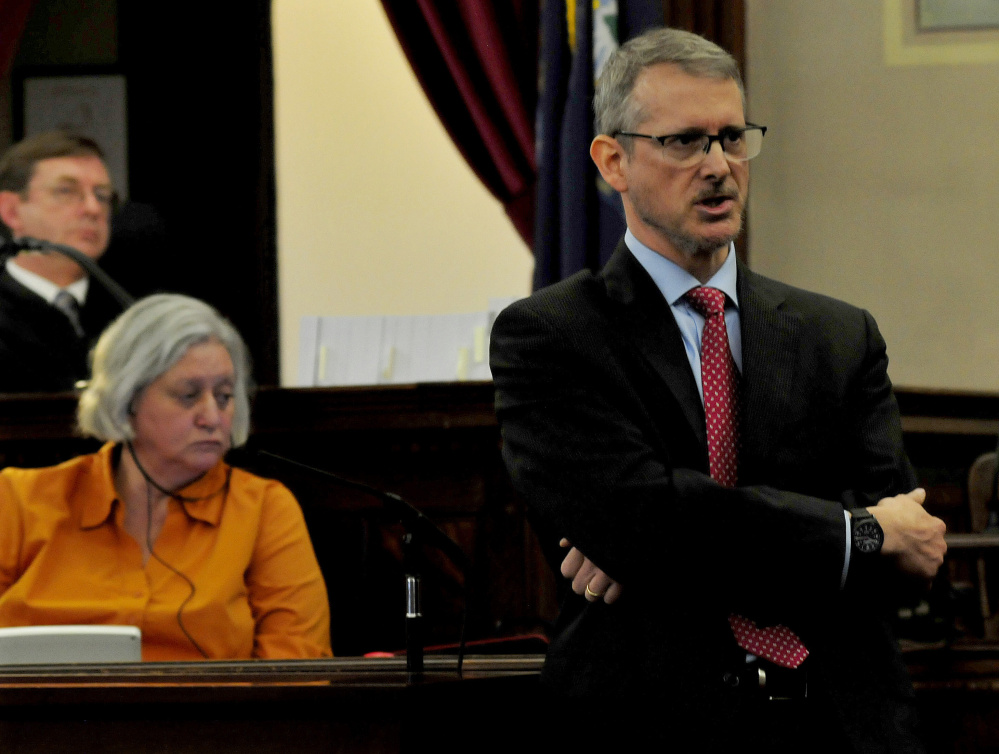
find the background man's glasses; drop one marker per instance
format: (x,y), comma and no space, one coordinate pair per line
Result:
(75,194)
(687,150)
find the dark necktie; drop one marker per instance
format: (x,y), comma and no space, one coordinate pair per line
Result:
(720,383)
(66,303)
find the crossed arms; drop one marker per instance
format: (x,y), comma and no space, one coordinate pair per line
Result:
(601,451)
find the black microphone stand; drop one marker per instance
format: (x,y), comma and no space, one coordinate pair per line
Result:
(418,528)
(26,243)
(412,560)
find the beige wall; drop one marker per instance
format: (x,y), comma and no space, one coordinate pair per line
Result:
(377,210)
(878,181)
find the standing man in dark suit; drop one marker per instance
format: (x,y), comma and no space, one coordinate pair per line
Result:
(722,451)
(53,186)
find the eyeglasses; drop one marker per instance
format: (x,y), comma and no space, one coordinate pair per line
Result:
(75,194)
(689,149)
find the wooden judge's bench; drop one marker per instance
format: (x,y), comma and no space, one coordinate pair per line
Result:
(438,446)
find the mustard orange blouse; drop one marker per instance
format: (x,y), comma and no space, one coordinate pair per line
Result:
(65,558)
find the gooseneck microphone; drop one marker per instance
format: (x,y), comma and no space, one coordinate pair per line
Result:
(26,243)
(419,529)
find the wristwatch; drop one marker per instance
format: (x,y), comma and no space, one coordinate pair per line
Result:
(868,536)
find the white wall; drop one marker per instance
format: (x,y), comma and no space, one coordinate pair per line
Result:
(377,210)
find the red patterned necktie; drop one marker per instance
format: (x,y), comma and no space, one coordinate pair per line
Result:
(720,384)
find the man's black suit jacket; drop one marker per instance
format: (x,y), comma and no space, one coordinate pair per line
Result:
(603,434)
(39,349)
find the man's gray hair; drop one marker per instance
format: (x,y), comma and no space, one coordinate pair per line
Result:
(145,341)
(614,107)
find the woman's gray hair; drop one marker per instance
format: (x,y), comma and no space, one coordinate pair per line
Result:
(145,341)
(614,107)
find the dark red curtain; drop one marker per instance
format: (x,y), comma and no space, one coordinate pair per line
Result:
(477,61)
(13,17)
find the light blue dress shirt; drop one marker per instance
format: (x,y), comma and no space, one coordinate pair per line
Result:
(674,281)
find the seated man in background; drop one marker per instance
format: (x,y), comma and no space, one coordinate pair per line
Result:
(53,186)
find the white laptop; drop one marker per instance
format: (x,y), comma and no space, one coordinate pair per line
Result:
(45,645)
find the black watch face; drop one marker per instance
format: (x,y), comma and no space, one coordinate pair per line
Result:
(867,537)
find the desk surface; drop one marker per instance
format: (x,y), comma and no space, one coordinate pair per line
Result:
(344,705)
(137,683)
(363,705)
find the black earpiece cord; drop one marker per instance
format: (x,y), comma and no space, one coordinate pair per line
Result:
(150,484)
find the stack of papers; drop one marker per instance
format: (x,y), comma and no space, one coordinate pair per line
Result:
(387,349)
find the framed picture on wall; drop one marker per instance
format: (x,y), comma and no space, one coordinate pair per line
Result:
(954,15)
(941,32)
(93,105)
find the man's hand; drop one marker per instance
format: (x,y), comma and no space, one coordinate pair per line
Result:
(913,538)
(588,580)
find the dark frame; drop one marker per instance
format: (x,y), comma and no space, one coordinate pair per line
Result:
(115,152)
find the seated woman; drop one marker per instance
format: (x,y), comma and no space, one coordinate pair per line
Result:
(155,530)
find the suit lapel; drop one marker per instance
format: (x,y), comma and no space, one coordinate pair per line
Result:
(770,362)
(770,349)
(644,317)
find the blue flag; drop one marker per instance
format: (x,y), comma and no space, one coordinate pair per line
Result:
(579,218)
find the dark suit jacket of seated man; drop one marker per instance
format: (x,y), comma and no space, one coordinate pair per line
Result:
(604,434)
(39,349)
(53,186)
